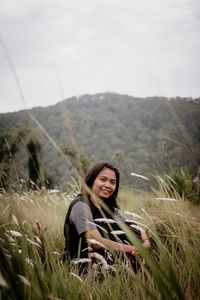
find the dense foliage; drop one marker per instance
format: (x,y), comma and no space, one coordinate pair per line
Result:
(144,136)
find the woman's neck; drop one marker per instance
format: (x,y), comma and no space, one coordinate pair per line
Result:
(95,201)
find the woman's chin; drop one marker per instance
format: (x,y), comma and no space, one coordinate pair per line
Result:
(104,195)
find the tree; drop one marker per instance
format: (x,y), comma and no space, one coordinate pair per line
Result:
(84,162)
(35,176)
(10,143)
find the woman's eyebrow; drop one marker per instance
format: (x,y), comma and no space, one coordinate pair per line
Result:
(112,179)
(103,176)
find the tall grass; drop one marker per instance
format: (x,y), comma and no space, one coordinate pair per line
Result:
(30,265)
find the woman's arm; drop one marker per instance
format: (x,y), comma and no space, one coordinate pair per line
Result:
(145,240)
(94,234)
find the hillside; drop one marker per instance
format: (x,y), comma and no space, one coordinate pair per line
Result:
(146,136)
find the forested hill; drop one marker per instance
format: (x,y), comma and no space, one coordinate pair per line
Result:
(145,136)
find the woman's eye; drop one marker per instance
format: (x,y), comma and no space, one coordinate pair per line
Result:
(103,179)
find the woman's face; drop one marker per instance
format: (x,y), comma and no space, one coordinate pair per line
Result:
(105,183)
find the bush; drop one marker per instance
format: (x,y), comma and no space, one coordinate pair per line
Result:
(181,182)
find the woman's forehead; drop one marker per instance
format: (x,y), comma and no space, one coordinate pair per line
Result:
(107,173)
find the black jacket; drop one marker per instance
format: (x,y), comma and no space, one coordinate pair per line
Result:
(76,245)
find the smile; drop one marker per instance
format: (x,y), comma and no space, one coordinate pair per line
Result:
(105,190)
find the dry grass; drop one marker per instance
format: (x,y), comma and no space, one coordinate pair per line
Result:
(171,270)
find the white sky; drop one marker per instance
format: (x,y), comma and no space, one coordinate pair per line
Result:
(62,48)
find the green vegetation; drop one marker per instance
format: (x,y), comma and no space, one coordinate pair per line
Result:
(10,143)
(146,136)
(181,183)
(30,266)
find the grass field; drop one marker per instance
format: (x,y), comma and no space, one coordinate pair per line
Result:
(30,266)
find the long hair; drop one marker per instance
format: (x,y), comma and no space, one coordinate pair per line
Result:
(90,177)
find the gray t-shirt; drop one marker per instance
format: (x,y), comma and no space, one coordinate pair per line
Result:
(81,217)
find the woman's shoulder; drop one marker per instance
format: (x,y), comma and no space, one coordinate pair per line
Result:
(76,206)
(78,197)
(78,203)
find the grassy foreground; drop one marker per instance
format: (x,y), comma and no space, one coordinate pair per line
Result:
(30,266)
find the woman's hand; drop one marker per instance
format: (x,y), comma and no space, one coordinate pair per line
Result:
(134,252)
(145,241)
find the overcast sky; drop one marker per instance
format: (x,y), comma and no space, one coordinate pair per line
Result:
(65,48)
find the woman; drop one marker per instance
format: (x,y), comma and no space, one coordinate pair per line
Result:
(91,226)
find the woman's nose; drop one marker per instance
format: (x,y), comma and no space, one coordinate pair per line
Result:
(107,184)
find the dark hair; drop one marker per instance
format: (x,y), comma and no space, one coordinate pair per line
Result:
(91,176)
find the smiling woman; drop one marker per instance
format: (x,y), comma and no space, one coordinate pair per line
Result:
(105,183)
(91,224)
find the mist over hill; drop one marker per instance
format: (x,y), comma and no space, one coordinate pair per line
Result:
(147,136)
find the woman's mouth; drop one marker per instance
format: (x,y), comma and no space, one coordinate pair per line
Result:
(105,191)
